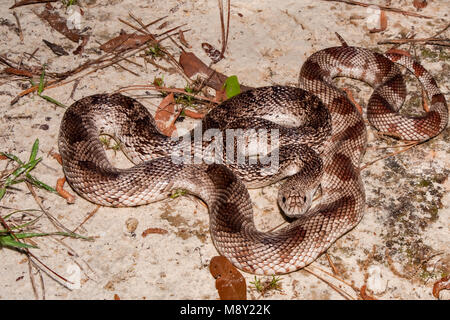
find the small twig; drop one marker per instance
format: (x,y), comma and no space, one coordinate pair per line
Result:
(396,10)
(33,284)
(90,215)
(52,219)
(432,41)
(174,90)
(31,56)
(18,26)
(338,290)
(390,155)
(126,69)
(330,262)
(27,2)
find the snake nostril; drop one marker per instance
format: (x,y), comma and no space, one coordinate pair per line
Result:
(304,199)
(283,199)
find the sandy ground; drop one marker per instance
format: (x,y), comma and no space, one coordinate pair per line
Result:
(399,249)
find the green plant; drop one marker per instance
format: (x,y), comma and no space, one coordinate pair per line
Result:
(21,173)
(41,88)
(267,285)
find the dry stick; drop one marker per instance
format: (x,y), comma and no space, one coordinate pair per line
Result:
(433,41)
(126,69)
(90,215)
(222,24)
(390,155)
(174,90)
(24,3)
(338,290)
(28,252)
(56,83)
(33,284)
(18,26)
(31,56)
(442,31)
(52,219)
(335,277)
(396,10)
(144,31)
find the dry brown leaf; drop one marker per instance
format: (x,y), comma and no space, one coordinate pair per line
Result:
(148,231)
(60,24)
(383,23)
(443,284)
(18,72)
(221,95)
(191,64)
(183,39)
(364,295)
(116,296)
(63,193)
(230,283)
(193,114)
(350,97)
(165,116)
(212,52)
(399,51)
(420,4)
(57,49)
(125,41)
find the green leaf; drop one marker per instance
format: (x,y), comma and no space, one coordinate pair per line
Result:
(41,81)
(49,99)
(34,150)
(12,157)
(38,183)
(8,241)
(232,86)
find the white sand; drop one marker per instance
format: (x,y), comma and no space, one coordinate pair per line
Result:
(268,42)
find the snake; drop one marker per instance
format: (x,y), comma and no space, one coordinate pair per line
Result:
(322,140)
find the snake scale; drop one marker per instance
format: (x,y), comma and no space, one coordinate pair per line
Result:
(323,135)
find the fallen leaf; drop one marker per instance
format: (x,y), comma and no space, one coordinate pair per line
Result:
(57,49)
(193,114)
(116,296)
(221,95)
(232,86)
(364,295)
(230,283)
(125,41)
(183,39)
(18,72)
(443,284)
(399,51)
(350,97)
(212,52)
(148,231)
(192,65)
(59,24)
(63,193)
(165,116)
(420,4)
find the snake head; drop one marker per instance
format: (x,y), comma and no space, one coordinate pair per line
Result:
(296,194)
(293,202)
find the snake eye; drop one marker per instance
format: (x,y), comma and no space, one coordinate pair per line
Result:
(304,199)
